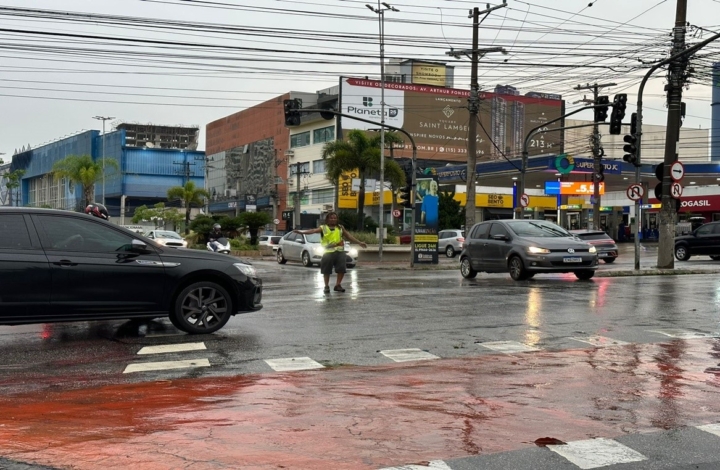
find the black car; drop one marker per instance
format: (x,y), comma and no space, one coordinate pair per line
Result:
(704,240)
(66,266)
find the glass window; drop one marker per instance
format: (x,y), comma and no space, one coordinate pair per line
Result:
(323,196)
(300,140)
(326,134)
(498,229)
(480,231)
(13,232)
(318,166)
(705,229)
(74,234)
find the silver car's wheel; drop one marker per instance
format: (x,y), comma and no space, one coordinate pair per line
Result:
(450,251)
(280,258)
(306,259)
(517,269)
(682,253)
(466,269)
(202,307)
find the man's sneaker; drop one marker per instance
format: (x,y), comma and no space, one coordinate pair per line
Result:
(327,289)
(339,288)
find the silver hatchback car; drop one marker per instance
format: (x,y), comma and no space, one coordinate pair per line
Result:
(450,242)
(525,248)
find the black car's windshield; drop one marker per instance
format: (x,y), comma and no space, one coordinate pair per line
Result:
(537,229)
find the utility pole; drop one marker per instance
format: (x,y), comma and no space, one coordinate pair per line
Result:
(296,199)
(676,80)
(596,150)
(103,119)
(474,106)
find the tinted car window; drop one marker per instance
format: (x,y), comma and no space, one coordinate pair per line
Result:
(73,234)
(593,236)
(13,232)
(706,229)
(480,231)
(498,229)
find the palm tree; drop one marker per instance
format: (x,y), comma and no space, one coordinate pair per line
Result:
(361,153)
(84,170)
(394,174)
(189,195)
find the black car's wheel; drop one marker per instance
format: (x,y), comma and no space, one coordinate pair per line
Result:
(517,269)
(450,251)
(609,260)
(715,258)
(584,275)
(202,308)
(350,266)
(466,269)
(306,259)
(682,253)
(280,258)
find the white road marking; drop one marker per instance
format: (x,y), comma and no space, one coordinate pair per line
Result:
(166,365)
(433,465)
(682,334)
(596,453)
(711,428)
(508,347)
(293,363)
(171,348)
(407,355)
(600,341)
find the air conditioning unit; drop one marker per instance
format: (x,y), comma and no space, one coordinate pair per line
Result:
(290,153)
(327,207)
(291,182)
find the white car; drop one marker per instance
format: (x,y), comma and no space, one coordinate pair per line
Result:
(167,238)
(308,250)
(269,240)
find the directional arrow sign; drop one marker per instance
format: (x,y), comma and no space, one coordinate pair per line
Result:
(635,192)
(524,200)
(676,190)
(677,171)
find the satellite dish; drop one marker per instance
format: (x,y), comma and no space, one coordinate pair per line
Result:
(150,145)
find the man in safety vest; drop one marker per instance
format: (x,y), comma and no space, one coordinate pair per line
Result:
(333,236)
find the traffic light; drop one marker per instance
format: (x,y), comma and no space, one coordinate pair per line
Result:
(406,195)
(631,143)
(292,112)
(618,113)
(601,112)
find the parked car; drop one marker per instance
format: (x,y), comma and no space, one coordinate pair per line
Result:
(61,266)
(167,238)
(606,248)
(704,240)
(450,242)
(269,240)
(308,250)
(525,248)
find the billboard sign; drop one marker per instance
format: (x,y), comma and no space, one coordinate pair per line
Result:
(438,117)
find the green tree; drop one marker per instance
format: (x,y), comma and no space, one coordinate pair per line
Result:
(362,153)
(84,170)
(156,214)
(254,220)
(12,183)
(451,214)
(190,195)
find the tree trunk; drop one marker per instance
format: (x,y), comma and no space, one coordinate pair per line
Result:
(361,204)
(187,219)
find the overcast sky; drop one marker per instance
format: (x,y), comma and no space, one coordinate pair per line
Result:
(212,58)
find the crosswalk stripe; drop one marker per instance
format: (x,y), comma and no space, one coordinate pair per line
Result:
(711,428)
(293,363)
(432,465)
(596,453)
(600,341)
(171,348)
(682,334)
(407,355)
(508,347)
(166,365)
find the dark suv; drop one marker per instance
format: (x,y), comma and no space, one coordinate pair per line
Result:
(66,266)
(704,240)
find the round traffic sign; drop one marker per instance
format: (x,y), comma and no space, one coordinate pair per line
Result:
(676,190)
(276,221)
(396,213)
(635,192)
(677,171)
(524,200)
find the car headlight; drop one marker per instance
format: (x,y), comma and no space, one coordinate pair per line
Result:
(353,252)
(246,269)
(536,251)
(319,250)
(593,249)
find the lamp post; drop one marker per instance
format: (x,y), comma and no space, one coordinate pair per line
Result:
(103,119)
(380,10)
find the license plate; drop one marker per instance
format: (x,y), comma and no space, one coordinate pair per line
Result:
(602,255)
(574,259)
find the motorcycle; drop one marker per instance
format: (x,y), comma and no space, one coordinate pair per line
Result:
(221,245)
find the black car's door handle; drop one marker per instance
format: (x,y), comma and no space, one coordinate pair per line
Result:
(64,262)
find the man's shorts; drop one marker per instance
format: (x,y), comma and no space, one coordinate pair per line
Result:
(332,259)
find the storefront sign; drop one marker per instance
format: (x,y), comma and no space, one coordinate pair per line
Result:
(572,187)
(709,203)
(565,164)
(566,207)
(347,197)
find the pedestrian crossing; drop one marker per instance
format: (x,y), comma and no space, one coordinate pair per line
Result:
(300,363)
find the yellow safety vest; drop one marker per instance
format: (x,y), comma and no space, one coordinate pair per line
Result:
(332,237)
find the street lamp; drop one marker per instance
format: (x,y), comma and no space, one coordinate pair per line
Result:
(103,119)
(380,10)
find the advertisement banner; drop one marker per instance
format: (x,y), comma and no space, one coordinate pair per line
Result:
(427,207)
(438,117)
(428,74)
(347,197)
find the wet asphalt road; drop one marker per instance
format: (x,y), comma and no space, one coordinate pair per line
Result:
(436,312)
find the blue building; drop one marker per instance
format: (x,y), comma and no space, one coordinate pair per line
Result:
(144,175)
